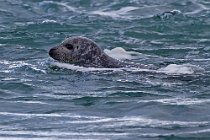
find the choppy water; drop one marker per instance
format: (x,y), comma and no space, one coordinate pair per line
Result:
(44,99)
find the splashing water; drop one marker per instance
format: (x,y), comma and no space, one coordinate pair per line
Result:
(44,99)
(121,54)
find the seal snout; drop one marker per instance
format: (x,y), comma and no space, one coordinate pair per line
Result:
(51,52)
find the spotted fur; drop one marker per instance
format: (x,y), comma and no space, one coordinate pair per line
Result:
(84,52)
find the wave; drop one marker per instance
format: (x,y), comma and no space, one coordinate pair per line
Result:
(174,69)
(97,125)
(168,14)
(10,66)
(62,4)
(115,14)
(120,121)
(121,54)
(178,101)
(200,8)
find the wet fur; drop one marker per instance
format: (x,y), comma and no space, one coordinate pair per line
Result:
(84,53)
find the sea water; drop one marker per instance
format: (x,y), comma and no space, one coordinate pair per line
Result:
(41,98)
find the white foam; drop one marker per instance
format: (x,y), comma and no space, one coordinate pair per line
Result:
(65,5)
(92,69)
(103,122)
(109,121)
(2,44)
(83,69)
(53,134)
(121,54)
(174,69)
(18,64)
(196,132)
(49,21)
(175,11)
(5,62)
(178,101)
(116,13)
(40,115)
(30,102)
(137,120)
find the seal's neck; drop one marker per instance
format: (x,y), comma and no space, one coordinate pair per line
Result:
(101,61)
(109,62)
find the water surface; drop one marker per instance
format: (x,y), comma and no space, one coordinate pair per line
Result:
(43,99)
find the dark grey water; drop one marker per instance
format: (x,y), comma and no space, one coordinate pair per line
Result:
(42,99)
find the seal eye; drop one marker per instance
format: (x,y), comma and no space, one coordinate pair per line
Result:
(69,46)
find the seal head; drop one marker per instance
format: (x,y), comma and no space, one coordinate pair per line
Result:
(82,51)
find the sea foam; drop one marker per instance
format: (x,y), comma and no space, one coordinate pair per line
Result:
(121,54)
(174,69)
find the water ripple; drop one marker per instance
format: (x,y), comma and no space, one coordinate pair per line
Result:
(44,99)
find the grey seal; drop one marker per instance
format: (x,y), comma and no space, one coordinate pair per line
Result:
(84,52)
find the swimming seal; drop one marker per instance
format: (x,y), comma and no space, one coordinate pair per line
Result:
(84,52)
